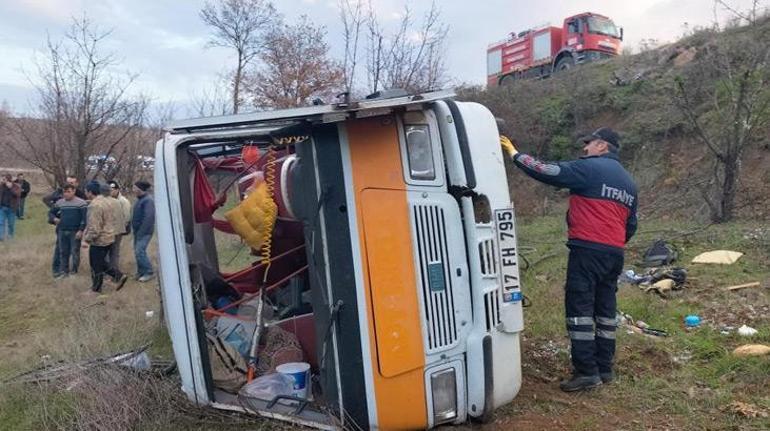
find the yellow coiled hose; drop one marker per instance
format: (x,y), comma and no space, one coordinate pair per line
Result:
(267,244)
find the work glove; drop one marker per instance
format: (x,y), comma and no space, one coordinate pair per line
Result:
(508,146)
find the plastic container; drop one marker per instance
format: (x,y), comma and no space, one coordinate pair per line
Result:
(299,372)
(692,321)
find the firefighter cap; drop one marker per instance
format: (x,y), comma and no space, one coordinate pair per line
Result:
(605,134)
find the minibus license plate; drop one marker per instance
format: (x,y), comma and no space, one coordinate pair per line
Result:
(505,223)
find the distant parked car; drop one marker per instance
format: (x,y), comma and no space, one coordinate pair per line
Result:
(146,162)
(94,161)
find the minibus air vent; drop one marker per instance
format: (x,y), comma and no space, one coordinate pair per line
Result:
(492,308)
(435,276)
(488,258)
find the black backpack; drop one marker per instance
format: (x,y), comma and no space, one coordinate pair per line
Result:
(659,254)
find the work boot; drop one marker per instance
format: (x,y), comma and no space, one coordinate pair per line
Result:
(607,377)
(96,282)
(580,383)
(121,281)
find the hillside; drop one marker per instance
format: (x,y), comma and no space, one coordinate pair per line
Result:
(635,94)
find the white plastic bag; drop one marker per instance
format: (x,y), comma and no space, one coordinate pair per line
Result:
(269,386)
(139,361)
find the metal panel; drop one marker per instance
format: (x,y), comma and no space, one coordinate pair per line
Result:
(286,117)
(541,46)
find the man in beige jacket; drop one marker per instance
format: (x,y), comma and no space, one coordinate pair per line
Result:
(100,234)
(122,209)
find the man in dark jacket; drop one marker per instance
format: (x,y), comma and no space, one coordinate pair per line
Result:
(601,219)
(143,225)
(25,189)
(9,203)
(69,216)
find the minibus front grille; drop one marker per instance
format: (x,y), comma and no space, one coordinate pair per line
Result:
(492,308)
(435,276)
(488,258)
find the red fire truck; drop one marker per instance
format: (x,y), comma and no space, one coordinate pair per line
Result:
(544,50)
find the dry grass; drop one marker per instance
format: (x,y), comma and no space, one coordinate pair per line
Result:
(45,322)
(688,381)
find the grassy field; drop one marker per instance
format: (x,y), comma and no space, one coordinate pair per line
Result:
(689,380)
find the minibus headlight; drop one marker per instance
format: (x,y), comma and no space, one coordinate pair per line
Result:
(444,386)
(420,152)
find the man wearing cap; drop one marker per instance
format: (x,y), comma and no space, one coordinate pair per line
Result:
(143,225)
(122,208)
(601,219)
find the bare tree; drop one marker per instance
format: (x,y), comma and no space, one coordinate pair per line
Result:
(412,59)
(725,99)
(353,18)
(296,68)
(240,25)
(84,107)
(749,16)
(213,99)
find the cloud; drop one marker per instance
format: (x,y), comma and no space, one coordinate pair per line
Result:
(58,11)
(164,41)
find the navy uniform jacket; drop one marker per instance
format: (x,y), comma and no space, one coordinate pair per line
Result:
(603,198)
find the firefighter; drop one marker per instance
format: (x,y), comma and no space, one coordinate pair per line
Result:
(601,219)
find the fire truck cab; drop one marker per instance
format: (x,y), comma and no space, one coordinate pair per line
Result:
(395,238)
(541,51)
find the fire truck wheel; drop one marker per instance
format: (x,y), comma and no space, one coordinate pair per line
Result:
(564,63)
(507,79)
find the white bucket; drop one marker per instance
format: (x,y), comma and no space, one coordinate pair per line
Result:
(300,374)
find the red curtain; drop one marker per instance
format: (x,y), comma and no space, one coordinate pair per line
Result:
(204,198)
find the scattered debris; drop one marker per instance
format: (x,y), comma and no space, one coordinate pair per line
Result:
(692,321)
(751,350)
(51,372)
(631,277)
(758,234)
(722,257)
(140,361)
(743,286)
(655,332)
(726,330)
(746,409)
(746,331)
(683,358)
(660,253)
(149,314)
(639,326)
(662,287)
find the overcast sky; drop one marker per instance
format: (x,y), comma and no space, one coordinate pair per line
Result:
(164,40)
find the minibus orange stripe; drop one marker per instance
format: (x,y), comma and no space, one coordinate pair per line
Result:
(383,213)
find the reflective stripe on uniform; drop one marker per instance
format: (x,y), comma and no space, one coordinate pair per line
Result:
(610,335)
(580,335)
(580,321)
(607,321)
